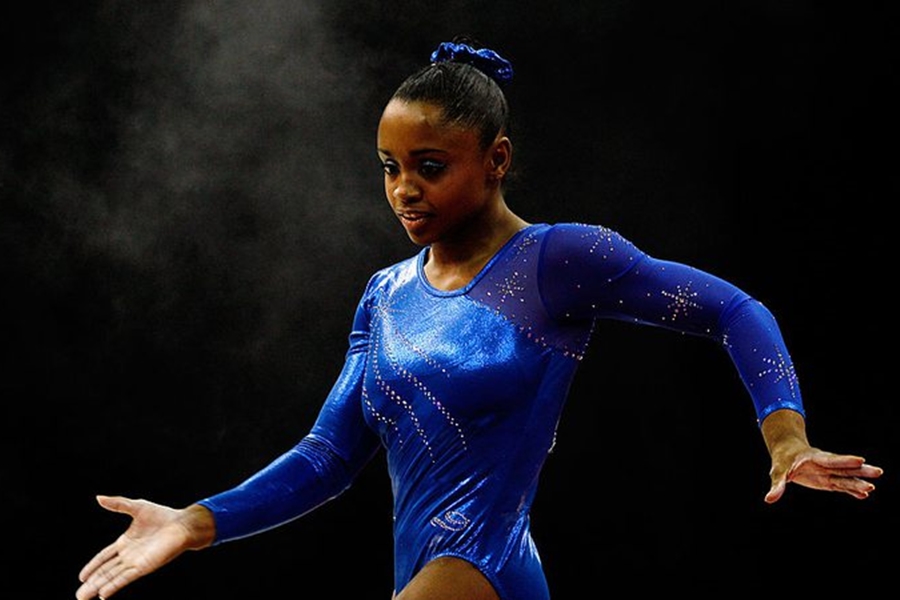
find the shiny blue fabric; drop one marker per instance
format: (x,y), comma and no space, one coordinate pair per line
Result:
(464,390)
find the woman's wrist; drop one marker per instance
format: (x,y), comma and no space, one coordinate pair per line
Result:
(199,525)
(784,429)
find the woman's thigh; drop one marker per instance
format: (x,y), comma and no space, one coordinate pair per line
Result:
(448,578)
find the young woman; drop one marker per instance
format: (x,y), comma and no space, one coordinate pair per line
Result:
(460,359)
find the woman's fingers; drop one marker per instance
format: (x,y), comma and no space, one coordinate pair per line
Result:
(820,470)
(98,561)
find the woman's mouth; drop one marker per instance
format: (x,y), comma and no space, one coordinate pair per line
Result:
(413,216)
(415,223)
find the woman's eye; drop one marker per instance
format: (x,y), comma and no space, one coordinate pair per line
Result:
(430,168)
(389,168)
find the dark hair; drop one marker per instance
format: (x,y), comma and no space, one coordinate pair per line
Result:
(464,80)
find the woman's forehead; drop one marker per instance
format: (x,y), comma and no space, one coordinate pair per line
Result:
(414,124)
(415,114)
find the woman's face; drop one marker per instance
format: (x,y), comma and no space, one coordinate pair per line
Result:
(436,176)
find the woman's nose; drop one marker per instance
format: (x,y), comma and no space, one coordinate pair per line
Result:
(406,190)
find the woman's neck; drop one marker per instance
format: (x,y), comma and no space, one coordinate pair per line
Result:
(454,262)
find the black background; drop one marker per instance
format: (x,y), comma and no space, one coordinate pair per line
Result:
(192,204)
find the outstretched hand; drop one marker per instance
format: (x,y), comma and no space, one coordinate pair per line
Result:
(820,470)
(157,535)
(795,461)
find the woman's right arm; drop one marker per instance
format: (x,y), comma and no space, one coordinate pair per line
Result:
(321,466)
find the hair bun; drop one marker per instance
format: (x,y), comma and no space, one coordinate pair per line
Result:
(485,60)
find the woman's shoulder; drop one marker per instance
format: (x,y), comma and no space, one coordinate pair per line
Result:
(398,272)
(579,230)
(579,245)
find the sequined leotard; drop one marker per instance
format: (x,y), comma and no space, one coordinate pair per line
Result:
(464,390)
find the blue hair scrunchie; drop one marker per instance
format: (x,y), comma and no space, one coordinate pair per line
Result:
(489,62)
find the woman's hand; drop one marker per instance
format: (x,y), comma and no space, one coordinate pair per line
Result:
(157,535)
(795,461)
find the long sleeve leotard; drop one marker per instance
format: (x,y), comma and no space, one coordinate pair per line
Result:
(464,390)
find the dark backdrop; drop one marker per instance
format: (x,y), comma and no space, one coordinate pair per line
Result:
(191,206)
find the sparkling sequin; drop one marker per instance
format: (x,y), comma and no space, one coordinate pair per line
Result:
(783,370)
(682,299)
(452,520)
(602,236)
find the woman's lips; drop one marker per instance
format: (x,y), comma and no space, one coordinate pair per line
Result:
(413,216)
(415,222)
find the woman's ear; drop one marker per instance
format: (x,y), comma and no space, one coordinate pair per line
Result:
(499,158)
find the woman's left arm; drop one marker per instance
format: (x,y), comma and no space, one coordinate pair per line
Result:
(594,272)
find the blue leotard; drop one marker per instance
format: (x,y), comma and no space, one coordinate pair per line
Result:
(464,390)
